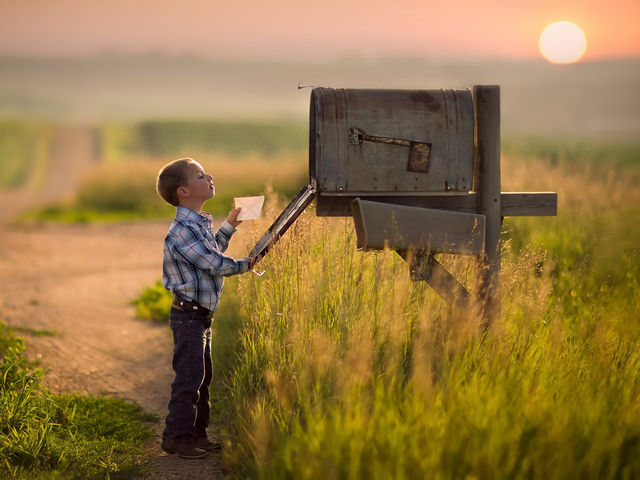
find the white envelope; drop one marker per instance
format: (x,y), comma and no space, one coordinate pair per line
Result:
(251,207)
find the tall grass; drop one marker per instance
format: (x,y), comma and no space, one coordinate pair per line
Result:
(346,369)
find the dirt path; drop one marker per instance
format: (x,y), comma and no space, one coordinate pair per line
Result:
(77,282)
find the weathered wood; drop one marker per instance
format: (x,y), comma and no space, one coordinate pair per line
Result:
(513,204)
(391,140)
(521,204)
(380,225)
(487,107)
(424,266)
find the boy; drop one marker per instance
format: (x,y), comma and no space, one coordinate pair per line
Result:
(193,270)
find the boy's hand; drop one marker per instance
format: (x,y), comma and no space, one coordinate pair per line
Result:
(233,217)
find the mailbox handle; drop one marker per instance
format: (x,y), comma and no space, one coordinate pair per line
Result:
(419,152)
(357,136)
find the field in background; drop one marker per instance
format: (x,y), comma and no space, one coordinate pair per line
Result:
(537,98)
(107,172)
(126,191)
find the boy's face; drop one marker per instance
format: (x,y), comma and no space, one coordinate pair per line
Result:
(199,184)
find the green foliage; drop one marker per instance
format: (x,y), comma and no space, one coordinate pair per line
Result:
(24,153)
(121,141)
(172,138)
(161,138)
(63,436)
(560,152)
(154,303)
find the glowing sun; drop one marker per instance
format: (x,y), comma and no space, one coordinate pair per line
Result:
(562,42)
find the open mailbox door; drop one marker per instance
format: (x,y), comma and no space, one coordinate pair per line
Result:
(304,197)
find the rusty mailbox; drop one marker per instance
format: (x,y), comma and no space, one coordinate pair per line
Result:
(419,172)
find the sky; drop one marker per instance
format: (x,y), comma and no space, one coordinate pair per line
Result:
(305,30)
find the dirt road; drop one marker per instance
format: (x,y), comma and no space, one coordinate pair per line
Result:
(77,282)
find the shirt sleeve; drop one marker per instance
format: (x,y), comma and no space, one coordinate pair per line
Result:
(197,250)
(223,235)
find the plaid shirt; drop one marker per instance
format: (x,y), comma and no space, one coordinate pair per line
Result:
(194,266)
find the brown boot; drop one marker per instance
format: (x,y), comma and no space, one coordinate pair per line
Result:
(208,445)
(183,449)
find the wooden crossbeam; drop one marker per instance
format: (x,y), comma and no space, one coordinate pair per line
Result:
(513,204)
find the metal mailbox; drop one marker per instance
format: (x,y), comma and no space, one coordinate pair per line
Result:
(390,141)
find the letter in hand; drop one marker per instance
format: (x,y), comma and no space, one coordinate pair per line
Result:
(251,207)
(232,218)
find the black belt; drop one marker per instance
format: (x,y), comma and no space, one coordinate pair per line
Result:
(186,306)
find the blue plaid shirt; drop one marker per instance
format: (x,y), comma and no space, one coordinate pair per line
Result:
(194,266)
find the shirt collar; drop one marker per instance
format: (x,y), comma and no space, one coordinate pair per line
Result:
(202,218)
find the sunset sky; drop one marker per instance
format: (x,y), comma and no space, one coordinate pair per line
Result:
(296,30)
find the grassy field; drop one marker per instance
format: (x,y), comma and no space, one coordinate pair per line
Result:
(24,153)
(120,183)
(27,147)
(126,190)
(335,365)
(47,436)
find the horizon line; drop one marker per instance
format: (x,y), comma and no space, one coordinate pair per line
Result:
(293,60)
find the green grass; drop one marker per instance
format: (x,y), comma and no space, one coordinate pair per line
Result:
(24,153)
(233,138)
(348,371)
(580,152)
(172,138)
(47,436)
(153,303)
(36,332)
(338,366)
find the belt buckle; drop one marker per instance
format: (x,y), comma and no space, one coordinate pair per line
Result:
(194,308)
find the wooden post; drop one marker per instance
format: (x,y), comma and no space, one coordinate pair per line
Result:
(424,266)
(487,108)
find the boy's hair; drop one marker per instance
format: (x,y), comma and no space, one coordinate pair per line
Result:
(172,176)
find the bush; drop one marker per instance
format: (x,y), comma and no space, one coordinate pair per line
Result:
(154,303)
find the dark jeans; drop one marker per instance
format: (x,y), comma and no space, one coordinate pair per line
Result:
(189,405)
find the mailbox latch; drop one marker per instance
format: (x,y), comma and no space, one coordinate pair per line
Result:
(419,152)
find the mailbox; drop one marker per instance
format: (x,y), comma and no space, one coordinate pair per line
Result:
(390,141)
(418,170)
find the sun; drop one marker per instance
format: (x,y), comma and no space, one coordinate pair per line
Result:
(562,42)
